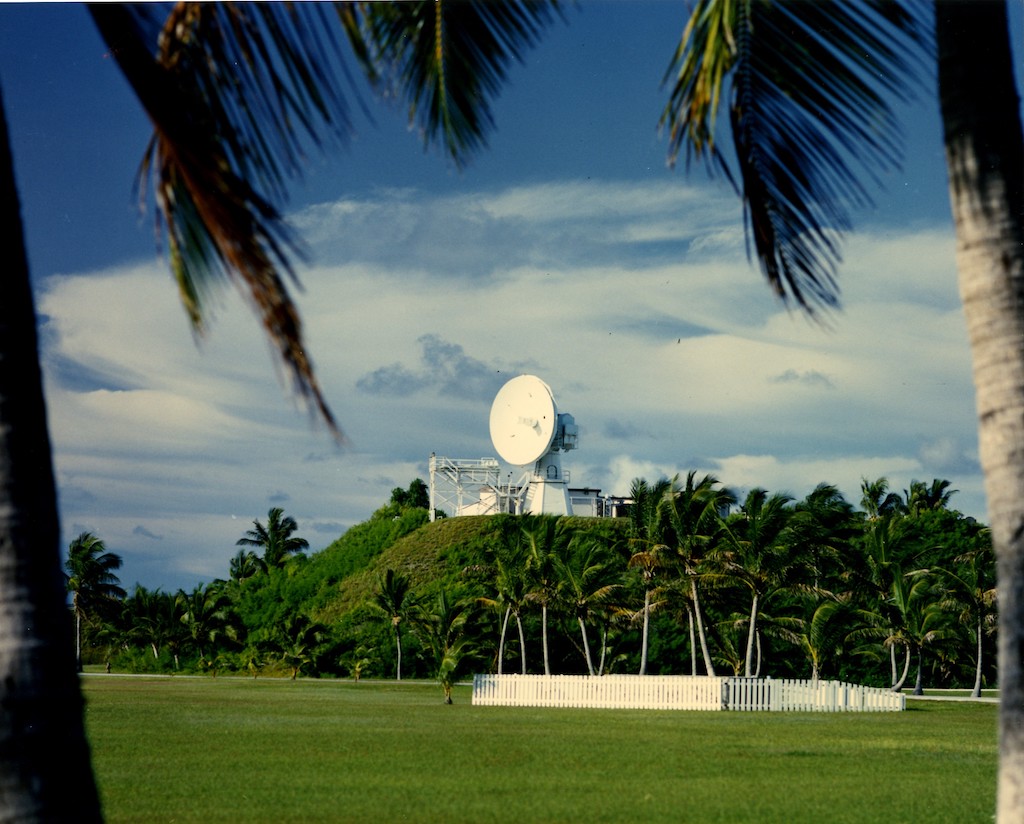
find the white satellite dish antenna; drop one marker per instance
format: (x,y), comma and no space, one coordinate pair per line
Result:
(526,428)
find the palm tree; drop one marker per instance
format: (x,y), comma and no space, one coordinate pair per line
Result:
(824,524)
(693,511)
(392,589)
(512,591)
(800,116)
(244,565)
(649,553)
(588,578)
(205,614)
(886,551)
(821,634)
(545,541)
(878,501)
(275,539)
(297,641)
(92,582)
(445,630)
(759,554)
(969,592)
(925,498)
(232,91)
(155,620)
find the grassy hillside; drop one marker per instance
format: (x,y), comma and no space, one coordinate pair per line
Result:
(434,555)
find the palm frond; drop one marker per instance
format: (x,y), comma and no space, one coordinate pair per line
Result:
(234,91)
(447,59)
(808,86)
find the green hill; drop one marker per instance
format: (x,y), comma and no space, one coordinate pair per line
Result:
(435,555)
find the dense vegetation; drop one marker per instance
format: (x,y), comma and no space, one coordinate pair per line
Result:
(898,592)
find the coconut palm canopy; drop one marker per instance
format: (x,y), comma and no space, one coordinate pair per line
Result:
(412,273)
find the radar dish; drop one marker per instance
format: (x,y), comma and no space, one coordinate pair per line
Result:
(523,420)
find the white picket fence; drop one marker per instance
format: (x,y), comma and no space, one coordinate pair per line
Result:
(681,692)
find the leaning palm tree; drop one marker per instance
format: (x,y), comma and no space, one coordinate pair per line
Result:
(92,582)
(275,539)
(807,112)
(236,93)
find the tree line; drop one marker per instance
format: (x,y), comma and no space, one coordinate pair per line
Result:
(694,580)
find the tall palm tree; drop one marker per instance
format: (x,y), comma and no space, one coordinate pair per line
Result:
(588,578)
(233,90)
(92,582)
(969,592)
(759,554)
(512,591)
(888,553)
(807,113)
(545,542)
(694,509)
(390,599)
(649,552)
(275,539)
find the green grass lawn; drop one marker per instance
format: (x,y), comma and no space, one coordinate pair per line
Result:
(238,750)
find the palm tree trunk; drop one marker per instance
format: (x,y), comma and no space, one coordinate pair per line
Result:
(751,632)
(78,636)
(604,648)
(892,665)
(693,641)
(398,651)
(544,636)
(586,645)
(976,692)
(522,642)
(45,770)
(918,686)
(501,640)
(985,158)
(643,637)
(709,667)
(896,687)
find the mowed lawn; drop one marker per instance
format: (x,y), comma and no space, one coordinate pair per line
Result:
(242,750)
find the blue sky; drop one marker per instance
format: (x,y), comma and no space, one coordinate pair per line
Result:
(568,250)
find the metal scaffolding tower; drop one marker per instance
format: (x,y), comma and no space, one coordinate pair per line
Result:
(461,486)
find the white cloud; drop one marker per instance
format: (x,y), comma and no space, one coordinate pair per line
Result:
(419,307)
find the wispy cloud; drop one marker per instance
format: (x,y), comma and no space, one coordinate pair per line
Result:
(418,308)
